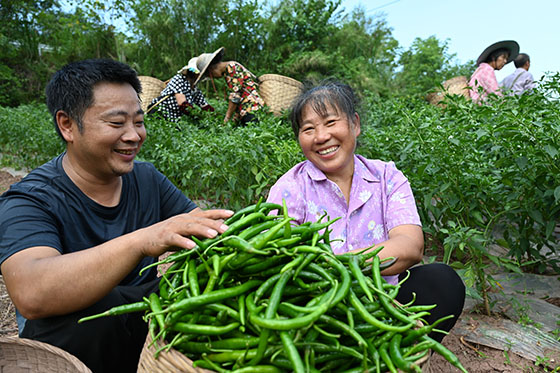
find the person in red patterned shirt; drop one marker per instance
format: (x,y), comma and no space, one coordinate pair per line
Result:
(244,99)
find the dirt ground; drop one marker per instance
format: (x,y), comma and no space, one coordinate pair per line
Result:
(475,358)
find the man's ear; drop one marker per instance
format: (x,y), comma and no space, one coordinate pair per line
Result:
(65,125)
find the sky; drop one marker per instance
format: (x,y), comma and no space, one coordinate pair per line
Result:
(471,26)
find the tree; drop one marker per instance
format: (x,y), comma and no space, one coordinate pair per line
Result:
(426,64)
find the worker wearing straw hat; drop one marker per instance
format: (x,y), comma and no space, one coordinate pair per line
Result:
(180,94)
(483,81)
(243,97)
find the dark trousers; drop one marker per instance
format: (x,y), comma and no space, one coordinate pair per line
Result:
(435,283)
(108,344)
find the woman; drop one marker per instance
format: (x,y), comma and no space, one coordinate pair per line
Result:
(483,81)
(179,95)
(244,99)
(373,198)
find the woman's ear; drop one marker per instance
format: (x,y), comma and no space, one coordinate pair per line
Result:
(65,125)
(356,123)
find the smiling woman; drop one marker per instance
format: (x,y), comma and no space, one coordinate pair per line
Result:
(373,199)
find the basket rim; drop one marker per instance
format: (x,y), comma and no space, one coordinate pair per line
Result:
(77,364)
(280,78)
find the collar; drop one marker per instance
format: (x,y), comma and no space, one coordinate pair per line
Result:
(360,171)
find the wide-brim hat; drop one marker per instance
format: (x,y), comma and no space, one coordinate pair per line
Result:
(190,68)
(510,45)
(207,59)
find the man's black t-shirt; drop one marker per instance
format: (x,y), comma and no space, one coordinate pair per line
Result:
(47,209)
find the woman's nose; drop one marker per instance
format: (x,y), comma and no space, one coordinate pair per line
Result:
(322,134)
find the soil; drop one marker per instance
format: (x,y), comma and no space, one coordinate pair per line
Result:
(475,358)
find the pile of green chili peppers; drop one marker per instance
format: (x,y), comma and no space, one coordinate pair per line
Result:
(271,296)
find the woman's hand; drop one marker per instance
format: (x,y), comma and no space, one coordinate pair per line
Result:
(406,242)
(230,111)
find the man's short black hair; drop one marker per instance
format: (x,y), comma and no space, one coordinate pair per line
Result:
(521,60)
(71,88)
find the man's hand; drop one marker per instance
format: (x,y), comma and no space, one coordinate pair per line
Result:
(174,233)
(73,281)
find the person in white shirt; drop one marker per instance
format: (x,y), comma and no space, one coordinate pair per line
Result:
(521,80)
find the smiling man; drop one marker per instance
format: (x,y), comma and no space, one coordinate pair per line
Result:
(76,231)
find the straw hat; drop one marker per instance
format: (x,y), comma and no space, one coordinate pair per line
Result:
(207,59)
(510,45)
(190,67)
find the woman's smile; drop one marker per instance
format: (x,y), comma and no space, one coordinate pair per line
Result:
(328,150)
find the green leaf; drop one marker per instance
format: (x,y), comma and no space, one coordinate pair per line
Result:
(537,216)
(551,150)
(502,243)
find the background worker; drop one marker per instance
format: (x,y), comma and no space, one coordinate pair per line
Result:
(243,96)
(521,80)
(483,81)
(180,94)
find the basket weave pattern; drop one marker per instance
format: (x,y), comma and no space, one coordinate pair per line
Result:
(173,361)
(167,361)
(278,91)
(151,88)
(20,355)
(454,86)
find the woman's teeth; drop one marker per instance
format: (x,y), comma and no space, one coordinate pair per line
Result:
(328,151)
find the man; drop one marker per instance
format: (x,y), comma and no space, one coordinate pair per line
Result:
(76,231)
(521,80)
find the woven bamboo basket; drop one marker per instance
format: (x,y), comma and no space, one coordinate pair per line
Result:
(173,361)
(20,355)
(151,88)
(278,91)
(454,86)
(167,361)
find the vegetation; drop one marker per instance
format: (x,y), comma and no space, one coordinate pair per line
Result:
(303,39)
(483,175)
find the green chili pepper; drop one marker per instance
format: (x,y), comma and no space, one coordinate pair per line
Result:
(292,352)
(384,300)
(366,316)
(445,353)
(203,329)
(384,353)
(265,208)
(119,310)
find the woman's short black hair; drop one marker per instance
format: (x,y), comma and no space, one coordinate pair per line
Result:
(330,93)
(71,88)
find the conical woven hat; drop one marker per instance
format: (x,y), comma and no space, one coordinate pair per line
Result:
(207,59)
